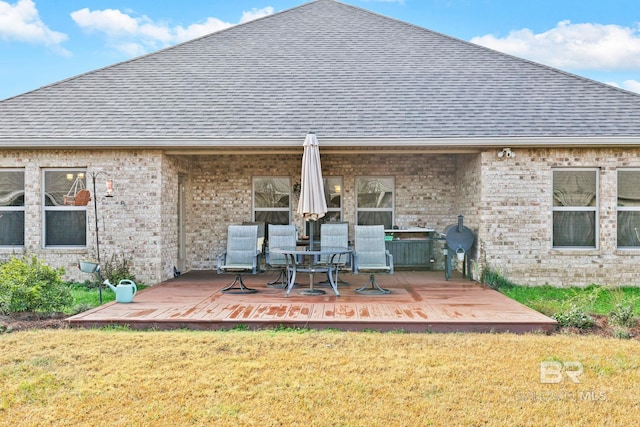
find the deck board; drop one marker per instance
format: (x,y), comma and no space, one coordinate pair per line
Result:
(419,301)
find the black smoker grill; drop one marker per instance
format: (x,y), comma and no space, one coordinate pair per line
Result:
(459,240)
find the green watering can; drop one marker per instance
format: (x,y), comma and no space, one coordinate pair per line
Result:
(125,290)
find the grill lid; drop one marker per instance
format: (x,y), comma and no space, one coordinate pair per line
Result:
(459,237)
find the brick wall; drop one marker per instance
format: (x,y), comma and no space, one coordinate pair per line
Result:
(506,201)
(129,222)
(220,192)
(516,231)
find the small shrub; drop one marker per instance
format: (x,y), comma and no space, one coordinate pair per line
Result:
(575,316)
(117,268)
(495,280)
(622,333)
(589,297)
(28,285)
(623,315)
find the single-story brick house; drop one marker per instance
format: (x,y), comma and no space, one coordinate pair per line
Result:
(544,165)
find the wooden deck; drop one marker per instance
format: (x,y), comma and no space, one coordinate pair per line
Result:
(419,301)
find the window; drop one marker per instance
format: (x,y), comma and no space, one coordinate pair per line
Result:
(11,207)
(575,215)
(629,208)
(374,200)
(272,200)
(65,215)
(333,195)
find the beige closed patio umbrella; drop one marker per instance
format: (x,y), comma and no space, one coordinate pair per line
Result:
(312,204)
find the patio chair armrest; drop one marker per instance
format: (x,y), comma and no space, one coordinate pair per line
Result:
(221,261)
(256,262)
(390,261)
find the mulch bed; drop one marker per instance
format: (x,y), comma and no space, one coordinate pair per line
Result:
(26,321)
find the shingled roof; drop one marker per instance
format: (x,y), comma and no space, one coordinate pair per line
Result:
(341,71)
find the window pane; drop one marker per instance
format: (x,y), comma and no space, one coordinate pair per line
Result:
(575,229)
(271,192)
(66,228)
(272,217)
(11,207)
(11,228)
(61,186)
(375,192)
(629,188)
(333,192)
(375,218)
(628,228)
(11,188)
(574,188)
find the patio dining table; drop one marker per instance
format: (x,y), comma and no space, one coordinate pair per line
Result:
(305,259)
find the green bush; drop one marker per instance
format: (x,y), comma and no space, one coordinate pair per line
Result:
(623,315)
(575,316)
(28,285)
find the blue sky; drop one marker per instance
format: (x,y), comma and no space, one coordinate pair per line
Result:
(44,41)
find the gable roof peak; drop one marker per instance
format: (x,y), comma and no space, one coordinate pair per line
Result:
(343,71)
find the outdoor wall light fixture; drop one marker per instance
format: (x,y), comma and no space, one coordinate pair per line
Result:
(506,152)
(109,188)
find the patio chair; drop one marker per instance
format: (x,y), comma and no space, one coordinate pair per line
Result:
(335,234)
(372,256)
(280,236)
(242,256)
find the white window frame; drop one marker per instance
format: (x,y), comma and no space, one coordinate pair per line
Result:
(255,209)
(14,208)
(621,208)
(340,190)
(61,207)
(331,211)
(390,209)
(573,208)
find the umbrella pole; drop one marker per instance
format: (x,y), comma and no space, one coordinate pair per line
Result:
(313,258)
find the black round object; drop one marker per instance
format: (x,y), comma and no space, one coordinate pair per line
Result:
(459,237)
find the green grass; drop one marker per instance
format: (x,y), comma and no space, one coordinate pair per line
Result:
(87,295)
(594,299)
(574,306)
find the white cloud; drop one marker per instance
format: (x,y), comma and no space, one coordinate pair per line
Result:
(573,46)
(136,35)
(255,14)
(21,22)
(632,85)
(196,30)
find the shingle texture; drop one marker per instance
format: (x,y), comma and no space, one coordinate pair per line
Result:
(326,67)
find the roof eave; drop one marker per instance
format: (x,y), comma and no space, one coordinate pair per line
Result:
(182,144)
